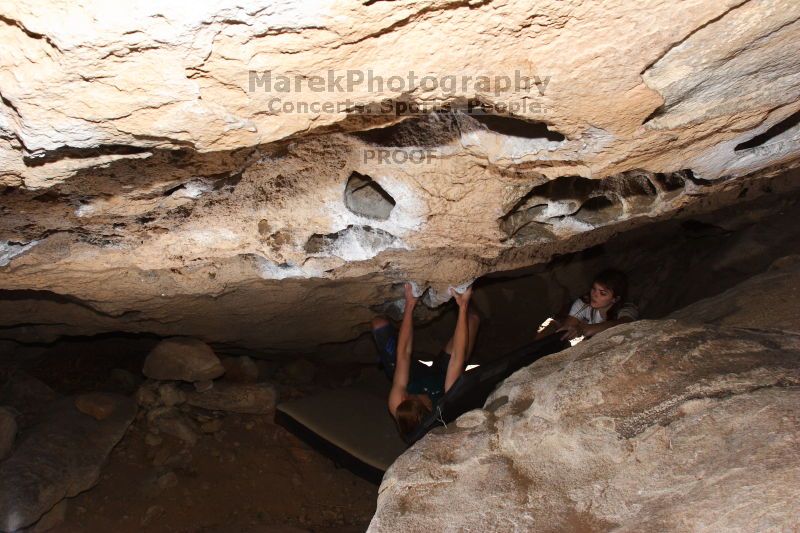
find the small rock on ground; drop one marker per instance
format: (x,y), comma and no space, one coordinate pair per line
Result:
(212,426)
(152,513)
(170,394)
(98,405)
(167,480)
(147,395)
(172,422)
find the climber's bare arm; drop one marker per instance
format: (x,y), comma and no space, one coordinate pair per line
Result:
(405,341)
(460,339)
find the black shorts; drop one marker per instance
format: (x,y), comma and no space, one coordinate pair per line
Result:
(386,340)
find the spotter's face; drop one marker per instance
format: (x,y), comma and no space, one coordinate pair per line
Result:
(602,296)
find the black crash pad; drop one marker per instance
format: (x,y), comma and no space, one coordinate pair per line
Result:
(352,425)
(474,386)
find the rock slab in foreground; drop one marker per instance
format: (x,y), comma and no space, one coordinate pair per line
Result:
(182,359)
(59,457)
(246,398)
(652,426)
(769,301)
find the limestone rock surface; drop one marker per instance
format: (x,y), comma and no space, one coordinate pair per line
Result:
(669,425)
(769,301)
(156,179)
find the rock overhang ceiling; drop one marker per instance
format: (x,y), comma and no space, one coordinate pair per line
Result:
(148,188)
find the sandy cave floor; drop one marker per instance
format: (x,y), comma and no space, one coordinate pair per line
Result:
(250,475)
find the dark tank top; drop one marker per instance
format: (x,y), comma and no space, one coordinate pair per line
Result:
(429,379)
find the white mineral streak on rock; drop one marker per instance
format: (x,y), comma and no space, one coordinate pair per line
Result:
(10,250)
(408,213)
(358,244)
(781,148)
(84,210)
(559,209)
(193,189)
(435,298)
(222,238)
(572,226)
(271,270)
(509,147)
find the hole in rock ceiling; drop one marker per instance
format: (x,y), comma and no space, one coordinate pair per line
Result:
(442,127)
(354,243)
(364,197)
(595,202)
(524,227)
(433,129)
(599,210)
(516,127)
(70,152)
(673,181)
(785,125)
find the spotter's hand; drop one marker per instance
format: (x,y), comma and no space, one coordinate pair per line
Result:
(571,331)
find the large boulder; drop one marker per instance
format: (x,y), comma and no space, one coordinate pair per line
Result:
(650,426)
(59,457)
(28,396)
(182,358)
(768,301)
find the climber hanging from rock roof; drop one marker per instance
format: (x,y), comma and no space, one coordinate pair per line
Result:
(415,387)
